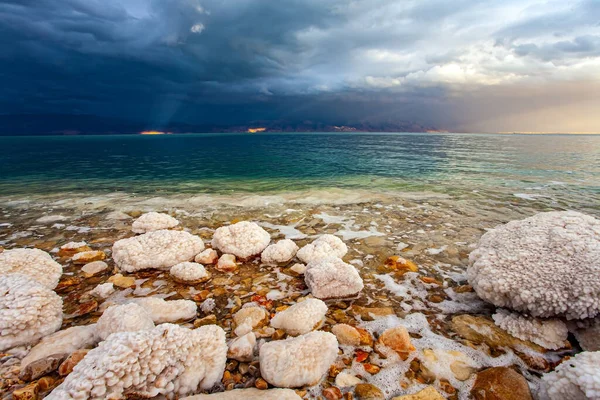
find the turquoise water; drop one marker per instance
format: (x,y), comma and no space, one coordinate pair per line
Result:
(566,168)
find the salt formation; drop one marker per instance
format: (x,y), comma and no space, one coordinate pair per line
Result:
(577,378)
(35,263)
(226,263)
(162,311)
(62,342)
(298,361)
(587,333)
(71,248)
(242,348)
(153,221)
(325,246)
(547,265)
(253,316)
(249,394)
(281,252)
(301,318)
(167,360)
(123,318)
(244,239)
(103,290)
(158,249)
(208,256)
(331,277)
(28,310)
(550,334)
(189,272)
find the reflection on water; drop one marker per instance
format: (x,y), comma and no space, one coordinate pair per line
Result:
(553,165)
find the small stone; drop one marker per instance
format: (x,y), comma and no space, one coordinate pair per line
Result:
(265,331)
(346,334)
(298,268)
(396,339)
(122,281)
(42,367)
(371,368)
(103,291)
(94,268)
(429,393)
(332,393)
(29,392)
(367,313)
(71,248)
(226,263)
(242,348)
(66,283)
(88,257)
(344,379)
(207,257)
(500,383)
(208,320)
(67,366)
(366,391)
(401,264)
(255,316)
(261,384)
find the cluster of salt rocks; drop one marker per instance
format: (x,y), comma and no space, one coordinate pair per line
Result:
(545,270)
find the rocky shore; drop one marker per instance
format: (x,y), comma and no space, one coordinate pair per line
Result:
(377,299)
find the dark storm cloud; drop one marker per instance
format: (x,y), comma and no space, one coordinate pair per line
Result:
(335,61)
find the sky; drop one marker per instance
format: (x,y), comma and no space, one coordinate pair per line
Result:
(461,65)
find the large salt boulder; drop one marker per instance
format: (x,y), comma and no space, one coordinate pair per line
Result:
(35,263)
(156,250)
(28,311)
(332,278)
(167,360)
(548,333)
(281,252)
(299,361)
(547,265)
(190,273)
(123,318)
(62,342)
(249,394)
(301,318)
(325,246)
(162,311)
(243,239)
(577,378)
(153,221)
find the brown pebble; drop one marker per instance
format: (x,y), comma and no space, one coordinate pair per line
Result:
(208,320)
(261,384)
(29,392)
(46,383)
(366,391)
(67,366)
(332,393)
(371,368)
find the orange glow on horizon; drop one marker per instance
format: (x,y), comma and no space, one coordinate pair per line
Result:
(254,130)
(153,133)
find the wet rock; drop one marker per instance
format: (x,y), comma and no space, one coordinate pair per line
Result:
(88,257)
(72,248)
(397,339)
(429,393)
(366,391)
(398,263)
(122,281)
(368,313)
(256,317)
(346,334)
(94,268)
(226,263)
(84,308)
(41,367)
(208,320)
(46,383)
(500,383)
(332,393)
(344,379)
(437,362)
(66,283)
(298,268)
(261,384)
(207,257)
(371,368)
(66,367)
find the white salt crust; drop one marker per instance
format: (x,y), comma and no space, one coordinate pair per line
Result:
(332,278)
(35,263)
(577,378)
(549,333)
(281,252)
(153,221)
(301,318)
(243,239)
(325,246)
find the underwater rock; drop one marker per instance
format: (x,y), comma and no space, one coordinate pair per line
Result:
(396,339)
(500,383)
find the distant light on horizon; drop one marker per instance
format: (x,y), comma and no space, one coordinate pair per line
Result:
(254,130)
(153,133)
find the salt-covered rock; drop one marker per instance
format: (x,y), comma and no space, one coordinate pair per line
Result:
(86,257)
(189,272)
(254,316)
(156,250)
(546,265)
(301,318)
(249,394)
(103,290)
(62,342)
(549,333)
(28,310)
(325,246)
(281,252)
(331,278)
(207,257)
(162,311)
(577,378)
(298,268)
(94,268)
(242,348)
(123,318)
(167,360)
(153,221)
(35,263)
(243,239)
(71,248)
(299,361)
(226,263)
(448,364)
(344,379)
(396,339)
